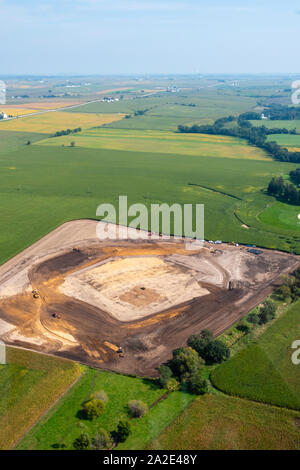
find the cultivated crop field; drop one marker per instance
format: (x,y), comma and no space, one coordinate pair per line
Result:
(290,125)
(161,142)
(264,371)
(216,422)
(51,122)
(30,383)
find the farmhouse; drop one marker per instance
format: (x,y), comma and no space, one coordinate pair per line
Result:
(3,115)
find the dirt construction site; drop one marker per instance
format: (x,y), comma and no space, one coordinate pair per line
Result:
(125,305)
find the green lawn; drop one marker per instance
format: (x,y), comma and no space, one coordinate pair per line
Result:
(30,383)
(62,425)
(215,422)
(264,371)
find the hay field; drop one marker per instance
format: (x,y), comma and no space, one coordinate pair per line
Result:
(30,383)
(51,122)
(17,111)
(216,422)
(161,142)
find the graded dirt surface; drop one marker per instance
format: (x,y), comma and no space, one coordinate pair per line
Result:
(147,296)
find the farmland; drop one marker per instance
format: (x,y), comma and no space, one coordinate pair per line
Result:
(30,383)
(264,371)
(62,425)
(161,142)
(46,181)
(290,125)
(286,140)
(216,422)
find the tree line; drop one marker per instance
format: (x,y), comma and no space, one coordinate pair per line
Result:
(67,132)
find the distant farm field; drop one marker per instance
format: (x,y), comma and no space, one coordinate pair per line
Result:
(30,383)
(53,121)
(216,422)
(264,371)
(286,140)
(161,142)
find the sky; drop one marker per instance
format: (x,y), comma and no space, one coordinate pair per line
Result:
(149,36)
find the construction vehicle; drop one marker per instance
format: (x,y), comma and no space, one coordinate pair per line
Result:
(76,249)
(55,315)
(36,295)
(121,355)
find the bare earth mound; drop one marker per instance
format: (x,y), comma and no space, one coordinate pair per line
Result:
(146,296)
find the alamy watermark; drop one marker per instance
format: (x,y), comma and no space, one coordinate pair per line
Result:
(188,222)
(296,92)
(296,354)
(2,92)
(2,353)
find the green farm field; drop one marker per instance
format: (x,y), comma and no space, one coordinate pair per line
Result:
(286,140)
(30,383)
(41,187)
(264,371)
(62,424)
(290,125)
(161,142)
(216,422)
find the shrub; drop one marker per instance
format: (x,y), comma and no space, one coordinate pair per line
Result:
(101,395)
(198,342)
(123,430)
(82,442)
(196,384)
(102,440)
(93,408)
(185,362)
(253,318)
(172,385)
(267,312)
(243,327)
(137,408)
(284,292)
(216,352)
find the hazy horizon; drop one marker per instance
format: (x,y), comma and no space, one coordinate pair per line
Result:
(148,37)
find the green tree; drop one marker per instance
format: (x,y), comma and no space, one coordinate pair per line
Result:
(93,408)
(196,384)
(172,385)
(267,312)
(165,374)
(216,352)
(198,342)
(185,362)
